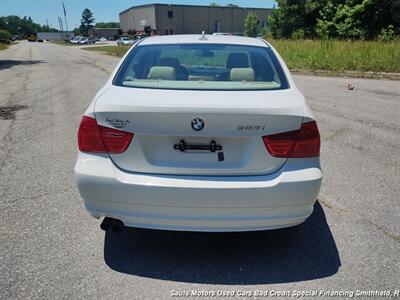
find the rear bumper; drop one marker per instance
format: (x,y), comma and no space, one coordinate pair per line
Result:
(199,203)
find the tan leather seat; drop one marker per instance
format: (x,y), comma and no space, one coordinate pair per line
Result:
(242,74)
(162,72)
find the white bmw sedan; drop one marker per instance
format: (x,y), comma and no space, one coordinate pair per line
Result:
(199,133)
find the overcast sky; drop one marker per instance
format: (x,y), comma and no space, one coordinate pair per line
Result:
(103,10)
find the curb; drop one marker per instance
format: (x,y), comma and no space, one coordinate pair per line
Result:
(351,74)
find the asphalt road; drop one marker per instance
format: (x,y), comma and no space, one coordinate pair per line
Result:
(51,248)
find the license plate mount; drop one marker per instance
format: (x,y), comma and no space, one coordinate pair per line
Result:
(183,146)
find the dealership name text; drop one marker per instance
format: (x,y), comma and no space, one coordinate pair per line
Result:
(285,293)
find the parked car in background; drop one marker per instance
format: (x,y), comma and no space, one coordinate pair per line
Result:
(87,41)
(32,38)
(140,37)
(83,41)
(199,133)
(102,39)
(75,40)
(123,40)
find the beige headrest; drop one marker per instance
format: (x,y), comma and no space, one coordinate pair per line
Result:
(242,74)
(162,72)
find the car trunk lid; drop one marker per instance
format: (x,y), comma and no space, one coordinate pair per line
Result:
(199,132)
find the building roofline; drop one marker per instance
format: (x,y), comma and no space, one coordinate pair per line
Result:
(193,5)
(140,6)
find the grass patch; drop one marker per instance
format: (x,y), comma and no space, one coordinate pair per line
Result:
(340,56)
(63,43)
(118,51)
(3,46)
(315,55)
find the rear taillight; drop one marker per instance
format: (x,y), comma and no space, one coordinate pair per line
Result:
(304,142)
(95,138)
(89,139)
(115,141)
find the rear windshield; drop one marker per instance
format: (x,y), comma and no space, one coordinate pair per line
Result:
(202,67)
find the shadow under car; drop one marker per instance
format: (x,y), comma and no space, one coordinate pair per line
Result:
(304,252)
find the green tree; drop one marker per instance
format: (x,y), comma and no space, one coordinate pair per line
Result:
(379,14)
(87,21)
(293,15)
(342,19)
(3,24)
(229,5)
(77,31)
(355,19)
(266,33)
(107,25)
(387,34)
(298,34)
(22,26)
(350,19)
(46,28)
(5,36)
(250,25)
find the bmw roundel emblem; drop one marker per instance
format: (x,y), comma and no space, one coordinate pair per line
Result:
(197,124)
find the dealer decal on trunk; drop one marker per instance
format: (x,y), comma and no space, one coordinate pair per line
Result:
(117,123)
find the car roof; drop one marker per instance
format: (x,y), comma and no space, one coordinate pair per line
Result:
(203,39)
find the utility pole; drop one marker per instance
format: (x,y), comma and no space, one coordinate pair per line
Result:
(65,16)
(61,27)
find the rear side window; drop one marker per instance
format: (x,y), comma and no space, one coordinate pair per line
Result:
(202,67)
